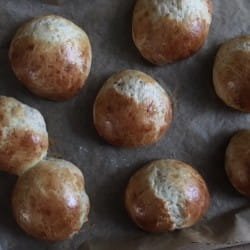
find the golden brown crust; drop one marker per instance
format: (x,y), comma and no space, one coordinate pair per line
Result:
(127,119)
(232,73)
(164,40)
(56,70)
(144,208)
(166,195)
(48,200)
(23,136)
(60,78)
(21,148)
(197,199)
(122,121)
(237,162)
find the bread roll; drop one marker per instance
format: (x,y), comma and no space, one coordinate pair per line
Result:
(23,136)
(51,56)
(132,110)
(49,201)
(237,162)
(166,195)
(169,30)
(231,73)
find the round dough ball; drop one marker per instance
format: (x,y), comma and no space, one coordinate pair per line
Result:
(231,73)
(170,30)
(49,201)
(237,162)
(166,195)
(23,136)
(132,110)
(51,56)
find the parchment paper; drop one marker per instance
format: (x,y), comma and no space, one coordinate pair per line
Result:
(199,134)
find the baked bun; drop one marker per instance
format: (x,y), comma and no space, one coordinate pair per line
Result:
(51,56)
(231,73)
(132,110)
(169,30)
(49,201)
(23,136)
(166,195)
(237,162)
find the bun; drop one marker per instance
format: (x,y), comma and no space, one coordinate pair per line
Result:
(23,136)
(237,162)
(132,110)
(49,201)
(170,30)
(51,56)
(231,73)
(166,195)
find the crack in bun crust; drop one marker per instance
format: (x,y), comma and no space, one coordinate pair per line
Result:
(166,195)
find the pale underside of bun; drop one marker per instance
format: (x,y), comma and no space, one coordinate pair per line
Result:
(132,110)
(166,195)
(51,56)
(49,201)
(231,73)
(167,31)
(23,136)
(237,162)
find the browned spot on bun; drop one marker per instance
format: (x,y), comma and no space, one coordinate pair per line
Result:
(21,148)
(147,210)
